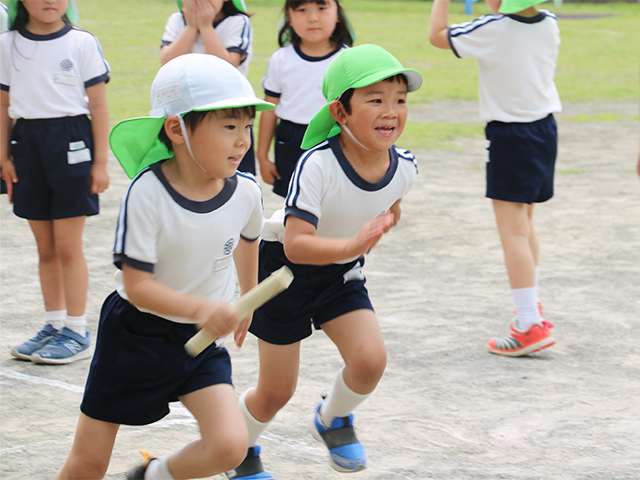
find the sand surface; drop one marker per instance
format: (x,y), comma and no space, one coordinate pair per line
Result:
(445,408)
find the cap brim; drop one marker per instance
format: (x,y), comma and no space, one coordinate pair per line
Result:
(414,78)
(513,6)
(135,143)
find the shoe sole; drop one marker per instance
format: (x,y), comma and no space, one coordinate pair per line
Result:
(536,347)
(15,353)
(315,434)
(35,358)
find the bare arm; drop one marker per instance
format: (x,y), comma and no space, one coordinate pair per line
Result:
(144,292)
(439,24)
(301,245)
(184,42)
(268,122)
(100,128)
(6,163)
(246,259)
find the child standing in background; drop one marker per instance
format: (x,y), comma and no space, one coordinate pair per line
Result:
(516,53)
(54,160)
(345,194)
(217,27)
(313,33)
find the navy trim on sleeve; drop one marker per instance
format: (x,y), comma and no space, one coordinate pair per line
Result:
(4,88)
(94,81)
(272,94)
(250,240)
(121,258)
(301,214)
(453,48)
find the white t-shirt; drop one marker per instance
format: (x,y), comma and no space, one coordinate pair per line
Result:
(327,192)
(187,245)
(296,80)
(234,32)
(47,75)
(517,61)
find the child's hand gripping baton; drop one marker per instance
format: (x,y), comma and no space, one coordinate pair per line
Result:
(247,303)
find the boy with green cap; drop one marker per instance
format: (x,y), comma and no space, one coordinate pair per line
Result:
(345,193)
(516,50)
(187,231)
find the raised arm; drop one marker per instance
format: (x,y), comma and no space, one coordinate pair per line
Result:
(439,24)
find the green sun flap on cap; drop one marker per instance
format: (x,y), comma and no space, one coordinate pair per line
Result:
(513,6)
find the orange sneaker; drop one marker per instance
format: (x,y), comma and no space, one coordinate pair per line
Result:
(517,343)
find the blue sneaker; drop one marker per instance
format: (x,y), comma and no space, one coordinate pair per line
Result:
(250,468)
(66,346)
(346,453)
(43,337)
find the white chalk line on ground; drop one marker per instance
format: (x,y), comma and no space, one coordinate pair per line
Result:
(177,410)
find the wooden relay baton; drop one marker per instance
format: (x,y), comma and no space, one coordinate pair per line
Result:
(247,303)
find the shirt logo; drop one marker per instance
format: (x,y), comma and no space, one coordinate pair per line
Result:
(66,65)
(228,246)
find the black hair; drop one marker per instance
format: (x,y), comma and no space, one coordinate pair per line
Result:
(229,8)
(194,118)
(345,98)
(22,18)
(340,36)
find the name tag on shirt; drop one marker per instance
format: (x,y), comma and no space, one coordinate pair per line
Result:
(65,79)
(222,263)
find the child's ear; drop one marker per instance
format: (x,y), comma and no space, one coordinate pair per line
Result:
(173,130)
(337,111)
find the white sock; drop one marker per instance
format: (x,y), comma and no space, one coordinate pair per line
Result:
(340,402)
(77,324)
(158,470)
(526,302)
(55,318)
(254,426)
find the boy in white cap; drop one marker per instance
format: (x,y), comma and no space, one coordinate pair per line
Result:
(345,193)
(516,50)
(187,223)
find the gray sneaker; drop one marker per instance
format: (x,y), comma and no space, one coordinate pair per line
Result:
(44,336)
(67,346)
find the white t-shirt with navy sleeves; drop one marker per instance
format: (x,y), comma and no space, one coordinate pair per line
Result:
(47,75)
(187,245)
(516,60)
(234,32)
(327,192)
(296,80)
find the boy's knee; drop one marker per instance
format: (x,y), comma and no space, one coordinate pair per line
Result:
(370,367)
(274,398)
(81,469)
(228,454)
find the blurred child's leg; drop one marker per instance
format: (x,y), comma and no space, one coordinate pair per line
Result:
(49,266)
(223,445)
(91,450)
(75,276)
(71,343)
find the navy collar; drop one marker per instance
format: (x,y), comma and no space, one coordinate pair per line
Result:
(207,206)
(356,179)
(308,58)
(50,36)
(519,18)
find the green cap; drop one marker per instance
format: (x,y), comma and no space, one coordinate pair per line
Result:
(72,11)
(239,4)
(355,67)
(513,6)
(191,82)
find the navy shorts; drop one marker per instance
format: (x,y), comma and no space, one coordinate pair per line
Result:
(53,162)
(287,152)
(522,158)
(316,295)
(140,365)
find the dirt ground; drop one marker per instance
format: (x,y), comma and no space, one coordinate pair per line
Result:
(445,409)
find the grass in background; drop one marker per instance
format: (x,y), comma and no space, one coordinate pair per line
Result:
(598,56)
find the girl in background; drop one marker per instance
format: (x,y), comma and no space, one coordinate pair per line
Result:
(313,33)
(54,159)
